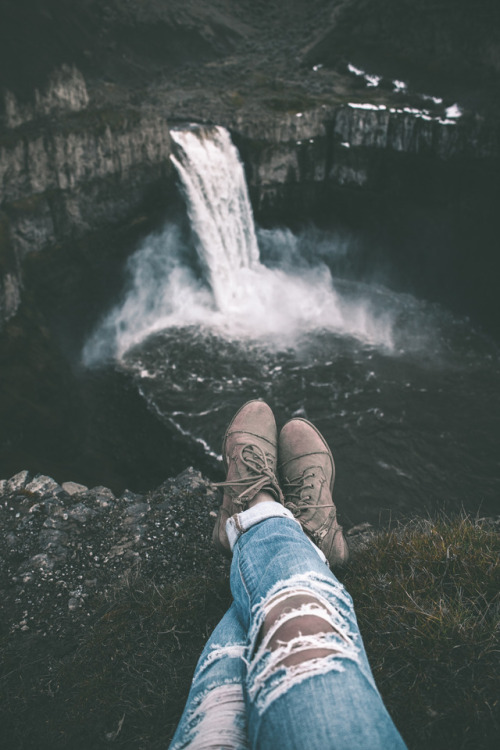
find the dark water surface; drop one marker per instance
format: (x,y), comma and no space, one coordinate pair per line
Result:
(411,427)
(406,395)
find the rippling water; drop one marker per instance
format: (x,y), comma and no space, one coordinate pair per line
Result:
(411,428)
(406,395)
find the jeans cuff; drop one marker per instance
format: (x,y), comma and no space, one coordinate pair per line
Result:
(241,522)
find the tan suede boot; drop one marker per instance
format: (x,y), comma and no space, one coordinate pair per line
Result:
(250,452)
(307,472)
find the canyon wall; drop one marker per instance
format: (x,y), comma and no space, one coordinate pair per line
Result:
(64,177)
(89,168)
(295,161)
(87,94)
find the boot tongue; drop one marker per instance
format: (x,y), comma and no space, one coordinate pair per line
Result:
(255,473)
(263,464)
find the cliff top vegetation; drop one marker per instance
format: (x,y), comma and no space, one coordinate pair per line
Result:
(100,637)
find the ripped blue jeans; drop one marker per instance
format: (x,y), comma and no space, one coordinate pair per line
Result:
(242,695)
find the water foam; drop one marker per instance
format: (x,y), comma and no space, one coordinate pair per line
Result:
(276,305)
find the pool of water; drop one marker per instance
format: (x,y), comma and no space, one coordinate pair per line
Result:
(413,426)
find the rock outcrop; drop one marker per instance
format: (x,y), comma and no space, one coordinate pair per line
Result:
(62,545)
(353,146)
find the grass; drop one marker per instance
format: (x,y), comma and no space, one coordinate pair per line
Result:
(428,602)
(427,599)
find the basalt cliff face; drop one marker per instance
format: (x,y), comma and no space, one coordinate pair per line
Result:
(65,177)
(299,160)
(84,140)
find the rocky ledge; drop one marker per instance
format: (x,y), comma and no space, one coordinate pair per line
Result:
(107,601)
(63,547)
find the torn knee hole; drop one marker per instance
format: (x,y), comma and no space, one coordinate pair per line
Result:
(298,628)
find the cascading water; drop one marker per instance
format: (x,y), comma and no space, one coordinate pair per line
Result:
(406,395)
(239,297)
(219,208)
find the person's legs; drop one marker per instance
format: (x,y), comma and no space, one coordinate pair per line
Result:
(303,671)
(215,713)
(309,685)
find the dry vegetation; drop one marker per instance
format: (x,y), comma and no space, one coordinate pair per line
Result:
(428,603)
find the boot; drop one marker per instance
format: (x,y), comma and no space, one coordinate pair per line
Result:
(250,453)
(307,472)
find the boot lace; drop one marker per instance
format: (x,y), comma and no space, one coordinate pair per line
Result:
(298,502)
(260,476)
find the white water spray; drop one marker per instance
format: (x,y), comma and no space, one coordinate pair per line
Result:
(240,297)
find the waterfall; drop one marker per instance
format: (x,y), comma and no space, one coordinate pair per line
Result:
(239,297)
(213,182)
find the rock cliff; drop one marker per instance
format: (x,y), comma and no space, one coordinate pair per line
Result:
(61,545)
(354,145)
(95,167)
(71,176)
(88,96)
